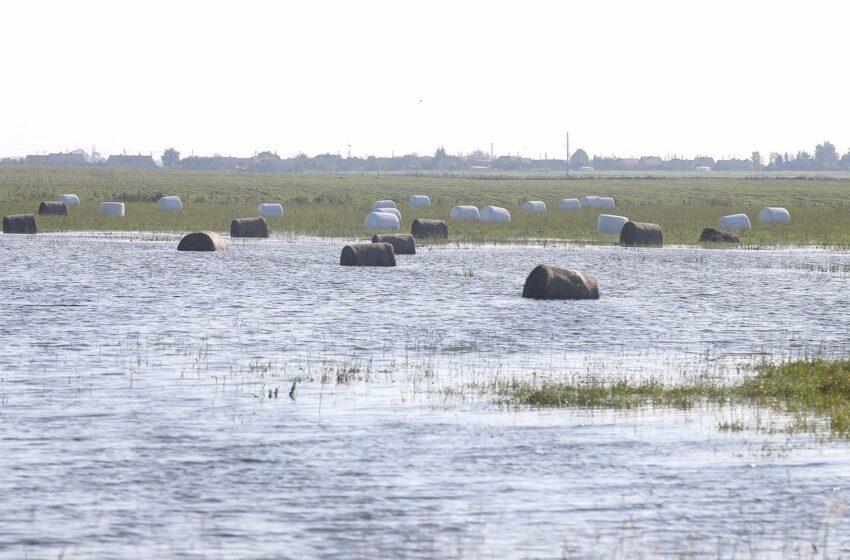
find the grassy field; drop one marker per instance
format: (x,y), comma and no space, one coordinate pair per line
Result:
(332,205)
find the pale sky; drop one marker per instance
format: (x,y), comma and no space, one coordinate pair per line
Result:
(629,78)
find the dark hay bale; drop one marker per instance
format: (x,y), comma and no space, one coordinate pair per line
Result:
(249,227)
(19,223)
(711,235)
(552,282)
(202,241)
(367,254)
(52,209)
(641,233)
(423,229)
(403,244)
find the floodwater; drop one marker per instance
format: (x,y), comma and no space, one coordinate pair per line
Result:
(136,419)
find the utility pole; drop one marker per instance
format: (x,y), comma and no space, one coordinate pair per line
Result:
(568,148)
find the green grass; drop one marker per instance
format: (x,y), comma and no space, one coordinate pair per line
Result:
(334,205)
(813,392)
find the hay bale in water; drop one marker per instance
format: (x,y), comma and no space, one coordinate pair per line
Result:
(569,204)
(202,241)
(112,209)
(19,223)
(249,227)
(52,209)
(608,223)
(403,244)
(381,220)
(534,206)
(495,214)
(641,233)
(270,210)
(461,213)
(774,215)
(419,201)
(69,199)
(711,235)
(552,282)
(367,254)
(424,229)
(170,203)
(383,204)
(735,221)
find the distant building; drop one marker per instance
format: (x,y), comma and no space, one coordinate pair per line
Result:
(651,162)
(134,162)
(59,160)
(704,161)
(36,160)
(625,164)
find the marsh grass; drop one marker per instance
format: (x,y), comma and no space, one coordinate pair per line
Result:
(334,205)
(812,393)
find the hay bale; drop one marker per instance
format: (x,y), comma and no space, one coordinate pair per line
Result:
(367,254)
(170,204)
(52,208)
(774,215)
(249,227)
(534,206)
(735,221)
(377,205)
(495,214)
(711,235)
(641,233)
(424,229)
(608,223)
(112,209)
(202,241)
(19,223)
(394,211)
(69,199)
(597,202)
(464,213)
(381,220)
(419,201)
(403,244)
(569,204)
(270,210)
(552,282)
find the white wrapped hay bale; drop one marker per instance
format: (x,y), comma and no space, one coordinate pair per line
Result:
(112,209)
(588,201)
(419,201)
(270,210)
(735,221)
(394,211)
(534,206)
(495,214)
(170,203)
(608,223)
(569,204)
(69,199)
(381,220)
(465,213)
(605,202)
(774,215)
(377,205)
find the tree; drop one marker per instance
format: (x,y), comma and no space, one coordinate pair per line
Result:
(579,159)
(170,158)
(440,154)
(776,161)
(826,156)
(845,160)
(756,160)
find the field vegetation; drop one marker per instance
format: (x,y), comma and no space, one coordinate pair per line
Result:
(334,205)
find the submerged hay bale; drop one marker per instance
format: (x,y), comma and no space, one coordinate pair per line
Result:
(425,229)
(774,215)
(381,220)
(711,235)
(69,199)
(608,223)
(52,209)
(641,233)
(403,244)
(419,201)
(495,214)
(112,209)
(202,241)
(367,254)
(270,210)
(735,221)
(249,227)
(19,223)
(465,213)
(170,203)
(552,282)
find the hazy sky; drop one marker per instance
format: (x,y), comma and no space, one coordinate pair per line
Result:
(629,78)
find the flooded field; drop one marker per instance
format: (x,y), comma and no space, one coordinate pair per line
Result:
(156,403)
